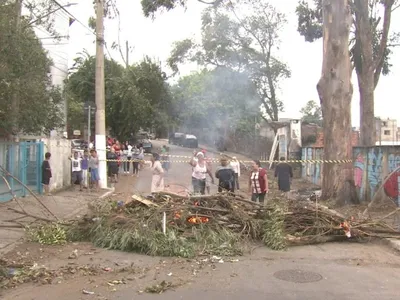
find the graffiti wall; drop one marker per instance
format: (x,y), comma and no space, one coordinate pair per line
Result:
(372,168)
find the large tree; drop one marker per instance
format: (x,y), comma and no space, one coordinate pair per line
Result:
(137,96)
(335,92)
(370,49)
(29,103)
(244,36)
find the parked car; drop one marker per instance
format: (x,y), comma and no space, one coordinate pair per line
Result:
(190,141)
(176,138)
(144,141)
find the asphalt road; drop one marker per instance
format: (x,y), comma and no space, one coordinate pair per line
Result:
(178,177)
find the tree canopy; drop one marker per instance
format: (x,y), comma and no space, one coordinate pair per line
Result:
(150,7)
(136,97)
(243,36)
(28,100)
(311,113)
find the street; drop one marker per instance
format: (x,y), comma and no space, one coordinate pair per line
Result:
(178,177)
(328,271)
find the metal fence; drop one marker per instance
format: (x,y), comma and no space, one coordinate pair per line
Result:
(23,161)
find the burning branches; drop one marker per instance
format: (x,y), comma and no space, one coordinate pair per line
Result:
(221,224)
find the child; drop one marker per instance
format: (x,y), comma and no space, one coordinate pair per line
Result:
(94,169)
(46,173)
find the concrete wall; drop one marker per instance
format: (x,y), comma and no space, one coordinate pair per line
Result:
(60,150)
(372,165)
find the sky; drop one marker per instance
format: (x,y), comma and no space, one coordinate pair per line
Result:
(155,38)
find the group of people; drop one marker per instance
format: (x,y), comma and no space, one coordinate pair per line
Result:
(84,168)
(123,155)
(228,174)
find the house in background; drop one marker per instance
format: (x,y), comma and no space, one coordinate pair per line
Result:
(387,132)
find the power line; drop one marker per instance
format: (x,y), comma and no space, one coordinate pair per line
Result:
(72,16)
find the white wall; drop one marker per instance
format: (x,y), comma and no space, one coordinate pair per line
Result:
(60,150)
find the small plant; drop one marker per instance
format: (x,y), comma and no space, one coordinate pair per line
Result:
(48,234)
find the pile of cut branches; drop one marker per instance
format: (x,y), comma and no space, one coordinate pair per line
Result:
(174,225)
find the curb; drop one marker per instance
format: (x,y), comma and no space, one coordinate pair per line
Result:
(79,210)
(393,244)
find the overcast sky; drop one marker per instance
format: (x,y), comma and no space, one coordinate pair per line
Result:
(155,38)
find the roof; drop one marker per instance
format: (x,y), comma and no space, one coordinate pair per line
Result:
(319,143)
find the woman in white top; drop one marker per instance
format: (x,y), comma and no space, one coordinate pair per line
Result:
(235,165)
(157,182)
(199,174)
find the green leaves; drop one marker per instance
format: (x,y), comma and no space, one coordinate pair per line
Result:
(311,113)
(242,36)
(136,97)
(25,80)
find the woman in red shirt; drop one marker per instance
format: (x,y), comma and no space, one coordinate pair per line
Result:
(258,182)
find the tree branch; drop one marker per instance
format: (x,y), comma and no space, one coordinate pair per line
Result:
(215,2)
(384,39)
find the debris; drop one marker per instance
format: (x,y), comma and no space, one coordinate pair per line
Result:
(87,292)
(48,234)
(218,225)
(74,254)
(159,288)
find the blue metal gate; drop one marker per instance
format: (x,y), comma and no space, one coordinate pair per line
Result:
(22,160)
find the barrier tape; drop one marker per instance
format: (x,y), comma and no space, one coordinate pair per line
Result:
(310,161)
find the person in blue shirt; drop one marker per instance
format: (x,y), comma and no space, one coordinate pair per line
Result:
(85,168)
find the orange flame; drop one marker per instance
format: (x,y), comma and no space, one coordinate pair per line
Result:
(197,220)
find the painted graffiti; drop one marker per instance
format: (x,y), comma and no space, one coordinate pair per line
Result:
(359,166)
(391,186)
(371,168)
(374,169)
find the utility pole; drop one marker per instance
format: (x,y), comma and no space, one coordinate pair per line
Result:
(100,95)
(127,53)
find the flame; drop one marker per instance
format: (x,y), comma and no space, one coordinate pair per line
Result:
(346,228)
(197,220)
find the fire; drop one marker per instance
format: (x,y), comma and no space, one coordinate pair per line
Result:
(197,220)
(346,228)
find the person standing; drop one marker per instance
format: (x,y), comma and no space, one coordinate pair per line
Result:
(226,176)
(136,161)
(258,182)
(124,158)
(199,174)
(94,169)
(76,162)
(128,156)
(284,174)
(235,164)
(112,165)
(157,182)
(46,173)
(85,167)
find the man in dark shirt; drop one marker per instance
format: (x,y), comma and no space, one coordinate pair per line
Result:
(284,173)
(226,176)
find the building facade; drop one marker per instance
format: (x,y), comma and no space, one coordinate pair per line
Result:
(386,131)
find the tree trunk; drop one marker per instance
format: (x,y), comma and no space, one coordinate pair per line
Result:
(335,91)
(365,69)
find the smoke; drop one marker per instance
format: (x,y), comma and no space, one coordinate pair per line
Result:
(217,104)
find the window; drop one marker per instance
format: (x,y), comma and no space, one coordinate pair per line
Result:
(384,124)
(386,132)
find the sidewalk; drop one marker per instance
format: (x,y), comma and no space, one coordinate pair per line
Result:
(64,205)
